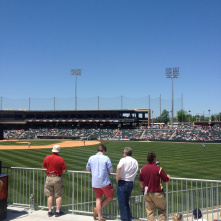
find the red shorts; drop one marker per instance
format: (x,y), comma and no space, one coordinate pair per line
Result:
(107,191)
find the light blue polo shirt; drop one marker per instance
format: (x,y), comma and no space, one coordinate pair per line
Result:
(99,165)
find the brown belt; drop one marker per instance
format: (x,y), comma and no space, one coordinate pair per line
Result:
(54,175)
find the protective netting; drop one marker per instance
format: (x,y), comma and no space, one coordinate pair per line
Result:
(14,104)
(157,105)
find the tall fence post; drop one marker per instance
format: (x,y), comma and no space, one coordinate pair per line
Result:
(149,109)
(160,108)
(149,101)
(182,107)
(98,102)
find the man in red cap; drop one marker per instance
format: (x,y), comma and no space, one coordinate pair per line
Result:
(54,165)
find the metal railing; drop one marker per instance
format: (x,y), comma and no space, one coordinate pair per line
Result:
(182,194)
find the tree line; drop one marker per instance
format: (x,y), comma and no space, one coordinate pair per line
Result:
(183,116)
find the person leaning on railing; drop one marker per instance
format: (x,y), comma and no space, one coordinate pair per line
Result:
(100,166)
(54,166)
(150,182)
(126,173)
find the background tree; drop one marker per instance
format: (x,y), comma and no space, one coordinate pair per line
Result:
(202,117)
(206,119)
(193,118)
(164,117)
(185,116)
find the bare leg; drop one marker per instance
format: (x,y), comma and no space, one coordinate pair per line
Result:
(105,202)
(98,208)
(58,203)
(100,205)
(50,201)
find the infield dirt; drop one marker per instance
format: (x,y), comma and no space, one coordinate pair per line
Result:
(62,145)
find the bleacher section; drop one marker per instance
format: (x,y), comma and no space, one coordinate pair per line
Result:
(175,134)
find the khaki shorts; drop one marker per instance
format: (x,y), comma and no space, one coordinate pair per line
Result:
(54,186)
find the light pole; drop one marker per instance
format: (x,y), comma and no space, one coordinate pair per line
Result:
(189,116)
(171,118)
(75,72)
(172,73)
(152,118)
(209,116)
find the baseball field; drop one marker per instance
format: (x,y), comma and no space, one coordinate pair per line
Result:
(187,160)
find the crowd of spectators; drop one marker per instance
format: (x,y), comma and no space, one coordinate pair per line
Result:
(198,134)
(160,134)
(34,133)
(185,133)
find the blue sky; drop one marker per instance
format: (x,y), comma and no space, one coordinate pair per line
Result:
(122,47)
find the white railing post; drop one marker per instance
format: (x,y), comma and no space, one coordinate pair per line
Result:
(72,193)
(167,195)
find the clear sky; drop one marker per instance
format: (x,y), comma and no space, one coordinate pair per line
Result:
(122,47)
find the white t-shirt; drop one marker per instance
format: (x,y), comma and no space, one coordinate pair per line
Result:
(129,168)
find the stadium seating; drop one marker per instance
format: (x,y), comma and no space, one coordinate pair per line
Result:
(176,134)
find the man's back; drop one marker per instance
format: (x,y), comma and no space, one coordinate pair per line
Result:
(151,175)
(129,168)
(54,164)
(99,165)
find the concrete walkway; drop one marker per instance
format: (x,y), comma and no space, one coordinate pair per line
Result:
(15,213)
(24,214)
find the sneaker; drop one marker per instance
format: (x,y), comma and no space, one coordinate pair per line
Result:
(50,214)
(57,214)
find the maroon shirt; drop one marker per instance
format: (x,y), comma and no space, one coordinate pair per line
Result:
(152,176)
(54,164)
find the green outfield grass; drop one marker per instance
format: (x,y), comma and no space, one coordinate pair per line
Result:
(178,159)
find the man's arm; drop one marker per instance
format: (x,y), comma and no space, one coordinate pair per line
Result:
(109,166)
(88,166)
(141,184)
(165,177)
(44,165)
(118,174)
(64,167)
(169,178)
(141,181)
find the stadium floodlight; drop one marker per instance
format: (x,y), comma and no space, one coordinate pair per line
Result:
(209,117)
(75,72)
(172,73)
